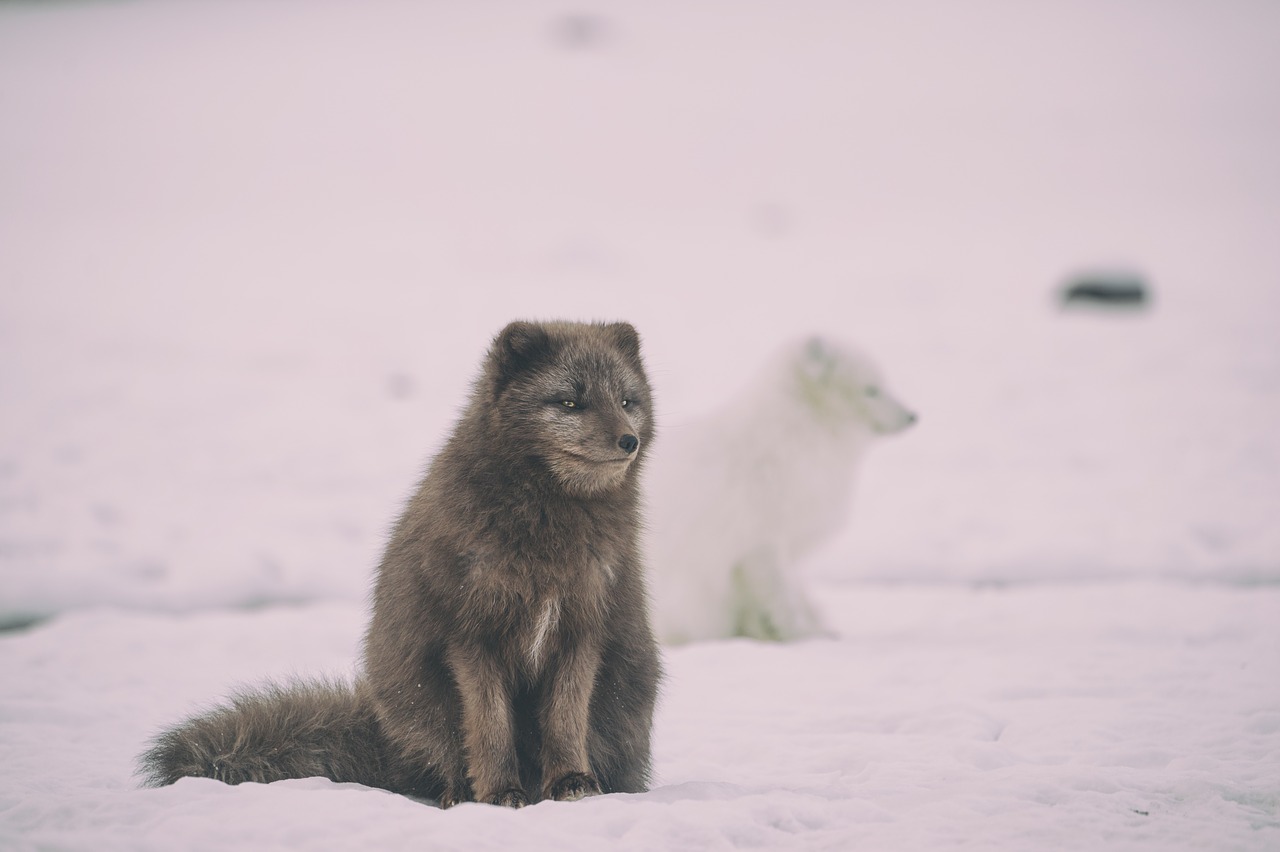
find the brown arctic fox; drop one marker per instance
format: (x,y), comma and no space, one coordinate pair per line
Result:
(509,657)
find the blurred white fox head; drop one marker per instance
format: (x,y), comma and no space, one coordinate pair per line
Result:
(843,386)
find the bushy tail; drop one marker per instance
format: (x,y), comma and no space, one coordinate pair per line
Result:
(298,730)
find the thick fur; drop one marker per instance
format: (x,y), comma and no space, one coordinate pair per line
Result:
(509,657)
(301,730)
(742,496)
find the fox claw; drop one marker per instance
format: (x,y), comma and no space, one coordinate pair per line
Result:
(512,798)
(574,786)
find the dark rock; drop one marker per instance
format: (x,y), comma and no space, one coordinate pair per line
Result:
(1123,290)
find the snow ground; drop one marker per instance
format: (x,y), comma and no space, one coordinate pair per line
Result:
(1124,716)
(250,255)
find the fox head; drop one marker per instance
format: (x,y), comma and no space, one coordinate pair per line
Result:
(842,386)
(575,395)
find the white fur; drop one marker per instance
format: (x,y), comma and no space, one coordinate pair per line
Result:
(546,623)
(736,499)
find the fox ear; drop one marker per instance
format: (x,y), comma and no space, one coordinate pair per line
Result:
(626,337)
(518,347)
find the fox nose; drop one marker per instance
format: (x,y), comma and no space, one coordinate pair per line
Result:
(628,443)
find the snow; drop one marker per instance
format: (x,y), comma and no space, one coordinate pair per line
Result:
(250,256)
(1128,715)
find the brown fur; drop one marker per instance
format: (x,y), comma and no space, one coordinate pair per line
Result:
(509,657)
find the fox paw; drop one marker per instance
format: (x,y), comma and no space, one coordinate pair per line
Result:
(455,794)
(512,798)
(574,786)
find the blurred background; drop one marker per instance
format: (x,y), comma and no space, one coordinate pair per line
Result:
(251,254)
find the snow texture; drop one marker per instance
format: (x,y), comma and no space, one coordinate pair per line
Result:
(250,255)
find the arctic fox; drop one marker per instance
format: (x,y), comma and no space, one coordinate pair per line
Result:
(739,497)
(509,657)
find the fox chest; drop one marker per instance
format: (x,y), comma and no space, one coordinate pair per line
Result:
(540,634)
(533,617)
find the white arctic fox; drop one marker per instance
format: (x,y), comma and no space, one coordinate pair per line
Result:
(736,499)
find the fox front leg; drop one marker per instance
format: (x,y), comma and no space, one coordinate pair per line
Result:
(487,728)
(564,717)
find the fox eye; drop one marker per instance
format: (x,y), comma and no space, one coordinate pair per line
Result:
(568,403)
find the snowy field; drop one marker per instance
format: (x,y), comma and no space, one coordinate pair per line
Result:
(250,255)
(1118,716)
